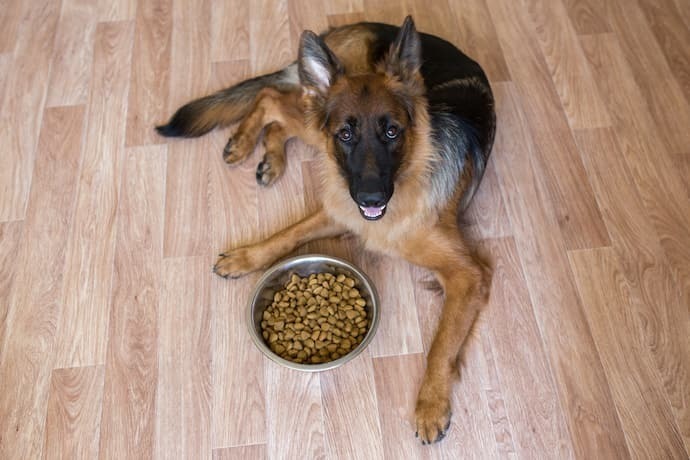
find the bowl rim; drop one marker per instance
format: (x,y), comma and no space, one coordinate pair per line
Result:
(258,340)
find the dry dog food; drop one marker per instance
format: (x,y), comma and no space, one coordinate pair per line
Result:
(315,319)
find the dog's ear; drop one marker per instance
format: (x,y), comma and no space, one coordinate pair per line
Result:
(318,66)
(405,56)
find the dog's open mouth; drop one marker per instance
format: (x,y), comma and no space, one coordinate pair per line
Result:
(372,212)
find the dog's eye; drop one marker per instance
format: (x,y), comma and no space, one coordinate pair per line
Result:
(392,132)
(345,134)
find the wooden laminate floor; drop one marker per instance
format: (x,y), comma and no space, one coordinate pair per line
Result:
(117,341)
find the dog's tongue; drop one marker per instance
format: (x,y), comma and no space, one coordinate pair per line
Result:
(373,211)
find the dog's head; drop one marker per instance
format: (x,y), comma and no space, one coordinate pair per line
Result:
(368,118)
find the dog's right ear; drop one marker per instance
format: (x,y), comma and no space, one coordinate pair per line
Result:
(318,66)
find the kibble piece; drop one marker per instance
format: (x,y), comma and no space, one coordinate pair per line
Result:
(316,318)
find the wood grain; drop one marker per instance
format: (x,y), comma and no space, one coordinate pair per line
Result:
(656,178)
(91,245)
(10,239)
(9,24)
(662,93)
(396,399)
(673,35)
(473,31)
(73,52)
(186,205)
(583,390)
(557,159)
(664,325)
(252,452)
(31,323)
(513,336)
(294,413)
(349,393)
(230,30)
(131,371)
(183,403)
(23,102)
(568,66)
(398,331)
(648,424)
(269,18)
(587,16)
(74,413)
(150,79)
(487,214)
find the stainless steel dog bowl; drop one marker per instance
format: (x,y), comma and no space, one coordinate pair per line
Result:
(275,279)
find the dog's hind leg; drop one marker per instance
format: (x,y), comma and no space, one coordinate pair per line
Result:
(278,115)
(241,261)
(465,282)
(273,164)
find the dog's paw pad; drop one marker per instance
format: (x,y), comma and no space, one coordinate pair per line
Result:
(433,420)
(267,172)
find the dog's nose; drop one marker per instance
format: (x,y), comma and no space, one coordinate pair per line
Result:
(371,199)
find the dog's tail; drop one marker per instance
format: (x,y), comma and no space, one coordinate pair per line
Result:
(226,106)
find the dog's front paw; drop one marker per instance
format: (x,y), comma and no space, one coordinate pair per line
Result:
(235,263)
(433,418)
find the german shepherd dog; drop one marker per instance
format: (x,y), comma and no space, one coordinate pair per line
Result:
(404,123)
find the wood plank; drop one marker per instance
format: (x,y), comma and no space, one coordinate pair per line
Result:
(673,36)
(22,106)
(252,452)
(396,397)
(501,425)
(388,11)
(186,206)
(238,382)
(515,346)
(567,64)
(398,331)
(269,18)
(72,54)
(91,245)
(131,371)
(682,163)
(609,303)
(470,28)
(230,34)
(14,11)
(304,16)
(586,17)
(347,394)
(654,173)
(150,79)
(294,413)
(662,311)
(74,413)
(342,19)
(487,213)
(116,10)
(183,406)
(670,111)
(30,325)
(10,240)
(560,171)
(583,390)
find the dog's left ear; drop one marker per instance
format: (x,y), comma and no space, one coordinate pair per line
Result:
(405,55)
